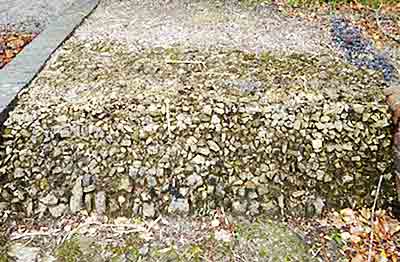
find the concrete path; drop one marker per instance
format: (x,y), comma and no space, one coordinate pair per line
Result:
(19,73)
(30,15)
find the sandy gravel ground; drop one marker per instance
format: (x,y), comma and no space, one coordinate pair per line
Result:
(201,24)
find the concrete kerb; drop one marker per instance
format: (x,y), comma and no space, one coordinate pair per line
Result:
(18,74)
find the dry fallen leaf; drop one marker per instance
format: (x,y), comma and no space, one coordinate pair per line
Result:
(11,44)
(9,54)
(357,258)
(347,215)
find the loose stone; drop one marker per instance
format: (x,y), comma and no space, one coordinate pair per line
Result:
(77,196)
(18,173)
(149,210)
(49,200)
(179,205)
(58,211)
(100,202)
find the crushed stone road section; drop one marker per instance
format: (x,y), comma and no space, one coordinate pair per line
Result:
(59,97)
(201,24)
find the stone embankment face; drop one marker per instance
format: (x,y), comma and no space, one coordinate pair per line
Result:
(361,52)
(172,130)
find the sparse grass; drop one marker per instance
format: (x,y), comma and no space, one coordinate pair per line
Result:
(370,3)
(254,2)
(195,252)
(183,240)
(253,242)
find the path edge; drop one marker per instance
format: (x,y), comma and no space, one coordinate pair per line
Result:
(20,72)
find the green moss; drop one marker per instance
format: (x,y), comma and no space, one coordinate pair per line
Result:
(263,252)
(252,3)
(195,252)
(7,132)
(69,252)
(170,253)
(265,57)
(130,246)
(133,251)
(173,53)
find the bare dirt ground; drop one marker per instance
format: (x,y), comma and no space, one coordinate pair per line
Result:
(217,237)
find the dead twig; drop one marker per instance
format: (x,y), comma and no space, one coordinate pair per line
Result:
(74,231)
(316,252)
(153,224)
(395,65)
(132,228)
(31,235)
(371,236)
(184,62)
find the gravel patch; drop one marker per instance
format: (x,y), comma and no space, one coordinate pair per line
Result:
(201,24)
(359,50)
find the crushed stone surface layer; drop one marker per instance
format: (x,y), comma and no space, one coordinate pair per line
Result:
(201,24)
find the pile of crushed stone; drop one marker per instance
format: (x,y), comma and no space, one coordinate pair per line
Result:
(359,50)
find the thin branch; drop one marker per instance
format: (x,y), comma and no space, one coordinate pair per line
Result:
(316,252)
(153,224)
(394,64)
(371,236)
(184,62)
(132,228)
(32,234)
(75,230)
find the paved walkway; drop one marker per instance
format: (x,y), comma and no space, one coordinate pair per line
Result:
(30,15)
